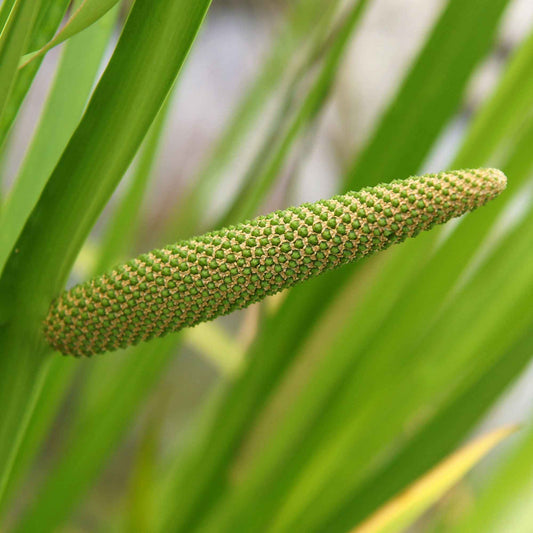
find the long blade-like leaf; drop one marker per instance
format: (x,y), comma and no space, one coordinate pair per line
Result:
(68,97)
(431,93)
(95,159)
(69,94)
(47,21)
(88,12)
(405,508)
(13,40)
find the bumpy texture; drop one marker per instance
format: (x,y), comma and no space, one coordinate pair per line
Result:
(212,275)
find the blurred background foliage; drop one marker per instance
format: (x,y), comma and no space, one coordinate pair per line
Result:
(345,403)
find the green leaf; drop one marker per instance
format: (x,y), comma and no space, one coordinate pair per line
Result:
(405,508)
(306,17)
(263,173)
(5,10)
(67,99)
(118,239)
(505,110)
(91,166)
(441,434)
(64,107)
(86,14)
(504,499)
(47,21)
(101,377)
(431,92)
(56,385)
(107,413)
(13,40)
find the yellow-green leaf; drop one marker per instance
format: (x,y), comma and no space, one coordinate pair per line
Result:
(405,508)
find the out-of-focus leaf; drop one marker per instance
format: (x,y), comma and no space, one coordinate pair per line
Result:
(506,109)
(13,40)
(101,376)
(98,393)
(431,92)
(504,502)
(140,503)
(5,10)
(438,437)
(98,428)
(213,343)
(267,167)
(68,97)
(55,386)
(47,21)
(405,508)
(86,14)
(306,17)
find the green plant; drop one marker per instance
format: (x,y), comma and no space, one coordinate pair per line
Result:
(342,392)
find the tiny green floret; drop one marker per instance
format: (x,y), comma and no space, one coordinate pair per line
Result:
(212,275)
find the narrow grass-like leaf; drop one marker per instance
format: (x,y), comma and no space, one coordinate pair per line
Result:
(90,168)
(506,109)
(86,14)
(404,509)
(140,503)
(504,499)
(97,381)
(431,92)
(55,387)
(5,10)
(97,431)
(303,20)
(438,437)
(47,21)
(266,169)
(13,41)
(67,100)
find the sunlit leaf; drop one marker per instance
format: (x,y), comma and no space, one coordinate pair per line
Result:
(405,508)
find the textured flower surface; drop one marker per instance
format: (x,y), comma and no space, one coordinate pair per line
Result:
(212,275)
